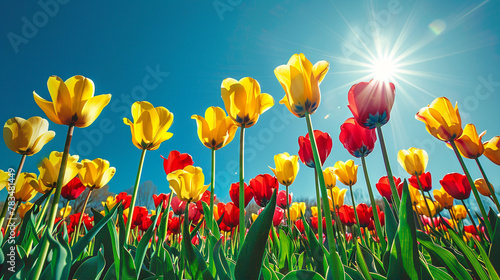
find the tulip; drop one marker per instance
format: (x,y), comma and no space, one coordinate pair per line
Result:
(324,145)
(346,172)
(27,137)
(234,193)
(482,187)
(469,143)
(460,212)
(278,216)
(216,130)
(281,199)
(415,196)
(330,178)
(314,211)
(230,215)
(174,224)
(346,215)
(492,150)
(443,198)
(49,171)
(413,160)
(205,197)
(139,214)
(456,185)
(263,186)
(178,206)
(381,215)
(124,198)
(65,211)
(194,213)
(384,188)
(157,199)
(243,100)
(441,119)
(286,169)
(73,189)
(176,161)
(24,208)
(371,102)
(364,214)
(96,173)
(336,198)
(300,80)
(297,209)
(187,183)
(4,179)
(24,190)
(150,126)
(425,181)
(73,101)
(300,225)
(422,208)
(357,140)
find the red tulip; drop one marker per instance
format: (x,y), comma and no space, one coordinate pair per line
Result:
(471,229)
(194,214)
(300,225)
(314,222)
(323,143)
(159,198)
(278,216)
(281,199)
(324,224)
(371,103)
(146,223)
(346,215)
(456,185)
(140,213)
(73,189)
(124,198)
(88,222)
(381,215)
(178,206)
(384,188)
(425,180)
(364,215)
(234,193)
(176,161)
(231,216)
(357,140)
(206,198)
(263,186)
(174,224)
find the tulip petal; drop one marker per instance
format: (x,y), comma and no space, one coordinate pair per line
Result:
(91,109)
(320,69)
(81,90)
(41,141)
(48,108)
(61,99)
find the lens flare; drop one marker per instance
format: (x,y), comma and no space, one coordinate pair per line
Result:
(384,68)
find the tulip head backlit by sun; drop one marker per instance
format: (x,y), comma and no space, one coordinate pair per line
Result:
(492,150)
(215,130)
(188,183)
(413,160)
(24,190)
(49,171)
(469,143)
(482,187)
(27,137)
(329,177)
(286,169)
(96,173)
(346,172)
(441,119)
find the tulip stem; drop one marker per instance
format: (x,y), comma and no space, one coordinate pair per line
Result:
(395,196)
(242,190)
(166,212)
(324,196)
(288,217)
(11,185)
(134,196)
(358,227)
(471,218)
(490,188)
(429,211)
(318,202)
(77,234)
(212,186)
(473,187)
(55,203)
(378,227)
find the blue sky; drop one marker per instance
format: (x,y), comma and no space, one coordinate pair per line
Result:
(177,54)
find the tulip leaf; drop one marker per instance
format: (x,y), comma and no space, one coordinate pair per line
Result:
(161,263)
(222,268)
(404,257)
(253,248)
(470,256)
(303,274)
(489,267)
(285,251)
(391,224)
(60,263)
(442,257)
(91,268)
(316,248)
(103,241)
(494,253)
(209,218)
(127,267)
(353,273)
(360,261)
(144,243)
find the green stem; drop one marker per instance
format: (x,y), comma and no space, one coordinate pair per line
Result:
(474,190)
(378,227)
(81,218)
(212,186)
(242,185)
(55,203)
(166,212)
(394,190)
(358,225)
(426,202)
(471,218)
(490,188)
(324,196)
(318,202)
(11,185)
(134,196)
(288,217)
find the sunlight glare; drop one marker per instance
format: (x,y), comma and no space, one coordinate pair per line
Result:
(384,69)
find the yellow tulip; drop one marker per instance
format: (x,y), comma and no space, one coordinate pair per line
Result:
(24,190)
(215,130)
(330,178)
(492,150)
(300,80)
(73,101)
(482,187)
(434,207)
(415,196)
(441,119)
(24,208)
(445,199)
(336,198)
(49,171)
(243,100)
(287,168)
(216,212)
(96,173)
(413,160)
(469,143)
(4,179)
(150,126)
(125,212)
(65,211)
(297,210)
(27,137)
(109,203)
(314,211)
(254,217)
(460,212)
(346,172)
(187,183)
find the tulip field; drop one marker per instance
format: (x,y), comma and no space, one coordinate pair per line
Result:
(413,230)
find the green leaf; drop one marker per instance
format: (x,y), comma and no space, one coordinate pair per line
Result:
(60,262)
(404,258)
(252,251)
(489,267)
(391,224)
(286,249)
(161,264)
(103,241)
(91,269)
(362,263)
(127,267)
(353,273)
(222,268)
(494,252)
(208,218)
(439,273)
(144,243)
(303,274)
(470,256)
(316,248)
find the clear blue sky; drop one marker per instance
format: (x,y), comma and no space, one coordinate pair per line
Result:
(183,51)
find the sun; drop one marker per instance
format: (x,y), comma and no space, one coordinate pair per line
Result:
(384,69)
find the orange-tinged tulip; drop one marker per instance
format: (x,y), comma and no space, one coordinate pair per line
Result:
(27,137)
(215,130)
(459,212)
(445,199)
(413,160)
(243,100)
(441,119)
(23,188)
(150,126)
(469,143)
(330,178)
(482,187)
(73,101)
(492,150)
(336,198)
(49,171)
(286,169)
(24,208)
(346,172)
(96,173)
(65,211)
(188,183)
(4,179)
(300,80)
